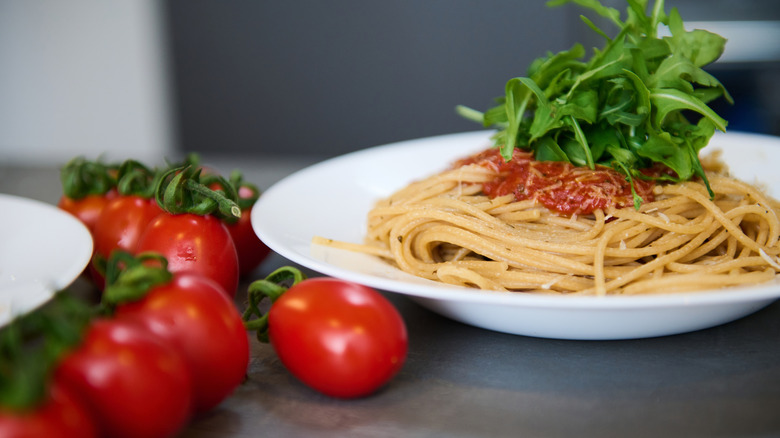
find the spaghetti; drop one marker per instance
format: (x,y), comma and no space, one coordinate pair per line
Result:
(446,228)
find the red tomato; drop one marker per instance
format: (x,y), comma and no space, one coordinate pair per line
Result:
(251,250)
(61,415)
(136,384)
(86,209)
(341,338)
(196,316)
(120,225)
(193,243)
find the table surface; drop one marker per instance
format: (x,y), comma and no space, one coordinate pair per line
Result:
(462,381)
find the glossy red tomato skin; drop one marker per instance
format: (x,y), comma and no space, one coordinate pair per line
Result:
(251,250)
(86,209)
(119,227)
(193,243)
(340,338)
(62,414)
(196,316)
(135,384)
(121,223)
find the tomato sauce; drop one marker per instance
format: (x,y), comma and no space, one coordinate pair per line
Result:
(559,186)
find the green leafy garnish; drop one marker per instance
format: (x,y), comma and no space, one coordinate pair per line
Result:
(641,99)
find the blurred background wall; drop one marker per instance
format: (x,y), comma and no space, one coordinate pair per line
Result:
(275,79)
(318,77)
(85,77)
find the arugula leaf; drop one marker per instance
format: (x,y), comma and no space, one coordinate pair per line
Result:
(545,68)
(700,46)
(638,100)
(549,150)
(519,92)
(670,100)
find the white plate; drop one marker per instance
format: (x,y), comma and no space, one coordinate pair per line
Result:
(331,199)
(42,250)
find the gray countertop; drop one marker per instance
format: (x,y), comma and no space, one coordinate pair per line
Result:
(462,381)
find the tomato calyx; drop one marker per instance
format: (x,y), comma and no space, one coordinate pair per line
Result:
(248,193)
(129,278)
(180,190)
(81,177)
(134,178)
(32,344)
(271,287)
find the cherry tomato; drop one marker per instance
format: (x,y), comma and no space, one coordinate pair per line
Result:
(86,209)
(120,225)
(62,414)
(340,338)
(199,244)
(196,316)
(136,384)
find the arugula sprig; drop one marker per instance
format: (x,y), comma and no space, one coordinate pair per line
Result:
(641,99)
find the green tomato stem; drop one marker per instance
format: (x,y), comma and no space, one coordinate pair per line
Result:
(81,178)
(180,190)
(271,287)
(130,278)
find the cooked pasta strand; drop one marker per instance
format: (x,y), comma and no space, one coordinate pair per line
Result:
(445,229)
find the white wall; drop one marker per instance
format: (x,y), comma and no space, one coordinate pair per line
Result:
(83,77)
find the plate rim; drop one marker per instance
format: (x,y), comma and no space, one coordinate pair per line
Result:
(69,274)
